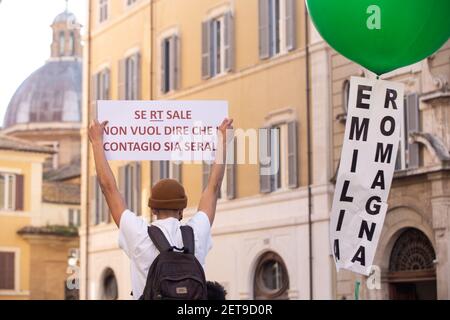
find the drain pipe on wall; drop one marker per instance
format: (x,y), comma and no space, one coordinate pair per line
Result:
(308,129)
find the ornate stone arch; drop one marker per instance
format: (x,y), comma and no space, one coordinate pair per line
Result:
(397,219)
(412,251)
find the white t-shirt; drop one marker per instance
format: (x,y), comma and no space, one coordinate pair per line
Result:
(134,240)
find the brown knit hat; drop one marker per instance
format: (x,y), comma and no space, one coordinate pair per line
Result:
(168,194)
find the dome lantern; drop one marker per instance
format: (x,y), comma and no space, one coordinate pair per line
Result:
(66,36)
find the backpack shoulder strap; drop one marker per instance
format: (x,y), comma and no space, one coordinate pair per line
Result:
(158,239)
(188,239)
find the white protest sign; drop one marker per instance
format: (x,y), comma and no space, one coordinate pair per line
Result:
(372,135)
(161,130)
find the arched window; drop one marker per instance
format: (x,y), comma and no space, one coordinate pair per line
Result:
(61,43)
(412,252)
(109,285)
(412,273)
(271,279)
(72,43)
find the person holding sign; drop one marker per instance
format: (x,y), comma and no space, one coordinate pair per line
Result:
(143,243)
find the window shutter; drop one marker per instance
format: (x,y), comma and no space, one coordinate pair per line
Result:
(137,77)
(176,171)
(229,41)
(292,155)
(164,169)
(412,116)
(205,174)
(98,202)
(106,85)
(136,187)
(7,274)
(163,67)
(265,185)
(122,79)
(19,205)
(105,208)
(290,24)
(129,188)
(93,199)
(155,172)
(122,182)
(176,62)
(231,174)
(264,43)
(93,97)
(206,49)
(173,62)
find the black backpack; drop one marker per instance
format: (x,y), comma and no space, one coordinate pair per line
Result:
(175,275)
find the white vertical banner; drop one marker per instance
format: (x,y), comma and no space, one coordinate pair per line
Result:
(369,152)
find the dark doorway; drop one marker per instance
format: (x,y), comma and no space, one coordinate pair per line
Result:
(412,273)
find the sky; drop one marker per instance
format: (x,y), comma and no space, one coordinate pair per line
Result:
(25,38)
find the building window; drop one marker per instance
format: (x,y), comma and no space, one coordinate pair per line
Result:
(228,186)
(165,170)
(110,288)
(271,279)
(169,64)
(412,267)
(99,211)
(74,217)
(130,2)
(129,77)
(61,43)
(11,191)
(51,162)
(101,85)
(102,214)
(408,153)
(72,43)
(103,10)
(130,185)
(278,157)
(217,45)
(276,27)
(7,267)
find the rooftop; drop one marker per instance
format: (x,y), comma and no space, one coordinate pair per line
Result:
(16,144)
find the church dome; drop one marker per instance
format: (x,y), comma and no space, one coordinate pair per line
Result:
(50,94)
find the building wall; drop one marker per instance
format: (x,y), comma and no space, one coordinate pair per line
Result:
(68,140)
(253,223)
(30,166)
(48,259)
(419,197)
(57,213)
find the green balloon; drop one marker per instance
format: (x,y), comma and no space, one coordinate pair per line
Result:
(382,35)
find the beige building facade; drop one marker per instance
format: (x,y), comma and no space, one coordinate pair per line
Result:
(252,54)
(413,252)
(270,236)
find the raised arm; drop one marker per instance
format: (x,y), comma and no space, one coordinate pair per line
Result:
(115,201)
(208,201)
